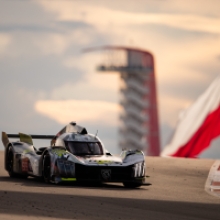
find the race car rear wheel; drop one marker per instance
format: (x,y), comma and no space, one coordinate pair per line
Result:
(46,168)
(10,162)
(131,185)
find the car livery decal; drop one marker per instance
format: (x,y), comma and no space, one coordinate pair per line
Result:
(68,179)
(26,165)
(28,151)
(102,161)
(59,152)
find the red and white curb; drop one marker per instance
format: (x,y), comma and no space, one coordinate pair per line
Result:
(212,185)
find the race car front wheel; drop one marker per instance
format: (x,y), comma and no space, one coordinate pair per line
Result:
(46,168)
(10,162)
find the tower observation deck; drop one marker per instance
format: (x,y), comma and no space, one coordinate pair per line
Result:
(139,118)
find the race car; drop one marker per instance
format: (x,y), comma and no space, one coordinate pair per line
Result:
(73,155)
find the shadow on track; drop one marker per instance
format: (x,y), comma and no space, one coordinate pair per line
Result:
(61,206)
(37,182)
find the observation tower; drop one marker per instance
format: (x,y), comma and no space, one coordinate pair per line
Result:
(138,118)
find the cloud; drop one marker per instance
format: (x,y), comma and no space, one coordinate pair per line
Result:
(37,73)
(5,41)
(51,27)
(91,87)
(201,7)
(52,44)
(92,13)
(82,111)
(177,40)
(170,108)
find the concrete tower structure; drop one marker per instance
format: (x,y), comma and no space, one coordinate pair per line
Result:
(139,118)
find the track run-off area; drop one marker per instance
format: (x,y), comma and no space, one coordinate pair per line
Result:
(177,192)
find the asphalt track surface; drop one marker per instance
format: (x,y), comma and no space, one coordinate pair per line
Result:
(177,193)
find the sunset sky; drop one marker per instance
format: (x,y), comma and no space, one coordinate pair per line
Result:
(46,80)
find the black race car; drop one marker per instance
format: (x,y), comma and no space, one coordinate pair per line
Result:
(74,155)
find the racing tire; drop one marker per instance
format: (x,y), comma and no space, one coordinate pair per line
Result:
(10,162)
(131,185)
(46,168)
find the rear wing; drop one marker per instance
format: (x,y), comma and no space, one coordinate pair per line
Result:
(24,137)
(72,127)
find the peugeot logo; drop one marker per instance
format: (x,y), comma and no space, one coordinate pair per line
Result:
(106,174)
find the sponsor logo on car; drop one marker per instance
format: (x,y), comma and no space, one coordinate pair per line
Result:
(106,174)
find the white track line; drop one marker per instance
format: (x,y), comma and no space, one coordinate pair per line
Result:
(212,185)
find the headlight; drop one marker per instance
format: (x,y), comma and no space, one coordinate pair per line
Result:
(139,169)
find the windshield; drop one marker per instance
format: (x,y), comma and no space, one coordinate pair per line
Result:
(84,148)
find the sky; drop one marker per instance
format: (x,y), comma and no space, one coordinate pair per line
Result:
(47,81)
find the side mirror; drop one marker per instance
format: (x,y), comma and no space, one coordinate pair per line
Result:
(108,154)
